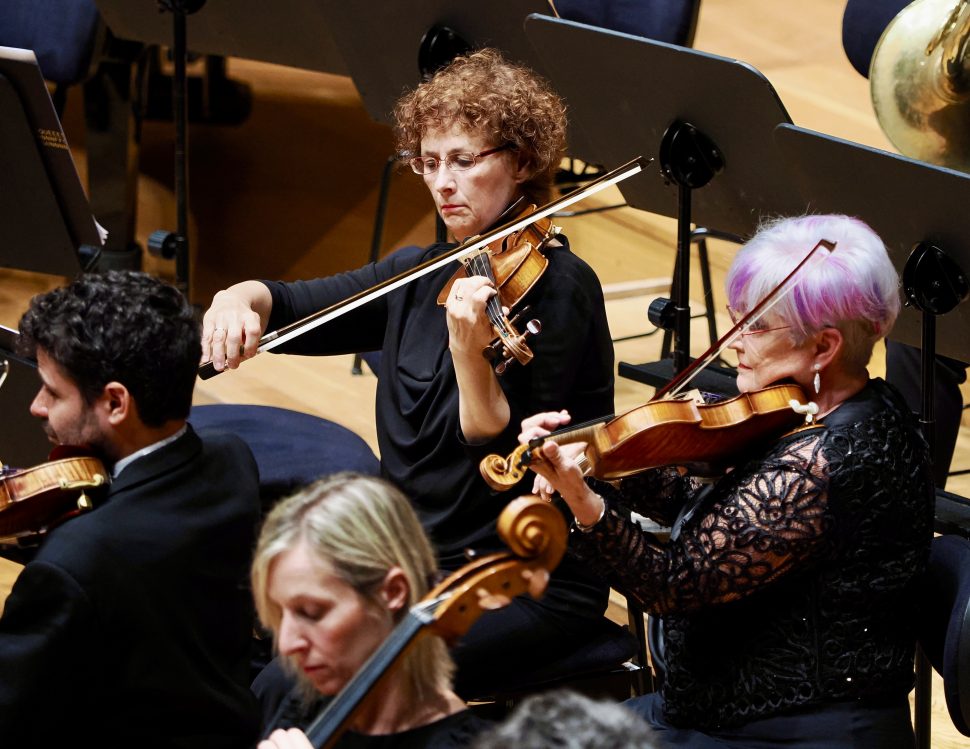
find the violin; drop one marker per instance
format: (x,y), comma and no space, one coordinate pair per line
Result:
(288,332)
(513,264)
(535,533)
(701,436)
(34,500)
(671,431)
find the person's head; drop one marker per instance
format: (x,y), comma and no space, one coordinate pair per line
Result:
(336,567)
(841,304)
(114,351)
(562,718)
(477,103)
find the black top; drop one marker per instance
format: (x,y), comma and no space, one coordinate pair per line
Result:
(456,730)
(790,581)
(132,625)
(286,705)
(421,445)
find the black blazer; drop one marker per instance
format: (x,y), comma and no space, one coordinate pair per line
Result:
(132,625)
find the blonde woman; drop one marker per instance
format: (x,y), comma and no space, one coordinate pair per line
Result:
(336,568)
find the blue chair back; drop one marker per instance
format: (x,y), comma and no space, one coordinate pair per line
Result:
(671,21)
(945,623)
(61,33)
(292,449)
(862,24)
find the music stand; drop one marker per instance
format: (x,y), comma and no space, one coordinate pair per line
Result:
(381,42)
(45,221)
(286,32)
(917,210)
(903,200)
(23,442)
(626,95)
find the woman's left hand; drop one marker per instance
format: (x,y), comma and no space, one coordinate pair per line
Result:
(559,470)
(290,738)
(469,330)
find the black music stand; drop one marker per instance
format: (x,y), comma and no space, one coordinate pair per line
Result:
(905,202)
(918,211)
(286,32)
(387,47)
(627,95)
(22,439)
(45,222)
(290,32)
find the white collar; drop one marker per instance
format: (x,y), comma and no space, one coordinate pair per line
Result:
(129,459)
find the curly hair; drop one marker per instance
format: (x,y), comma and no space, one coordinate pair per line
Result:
(487,95)
(120,326)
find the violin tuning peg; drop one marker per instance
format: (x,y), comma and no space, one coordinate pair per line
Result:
(503,365)
(534,327)
(84,502)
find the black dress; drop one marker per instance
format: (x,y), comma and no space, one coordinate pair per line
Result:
(422,449)
(787,587)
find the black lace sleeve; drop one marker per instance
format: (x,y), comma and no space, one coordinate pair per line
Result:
(751,527)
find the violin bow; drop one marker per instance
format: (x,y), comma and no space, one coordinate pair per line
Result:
(316,319)
(676,385)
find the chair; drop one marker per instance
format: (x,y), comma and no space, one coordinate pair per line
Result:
(671,21)
(63,36)
(862,24)
(944,626)
(610,663)
(291,448)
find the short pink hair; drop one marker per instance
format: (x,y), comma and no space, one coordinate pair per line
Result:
(855,288)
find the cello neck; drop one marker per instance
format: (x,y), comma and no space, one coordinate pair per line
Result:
(330,724)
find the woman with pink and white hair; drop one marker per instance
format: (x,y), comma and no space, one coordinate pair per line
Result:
(785,589)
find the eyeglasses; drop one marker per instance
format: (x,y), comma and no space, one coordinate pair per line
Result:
(456,162)
(757,327)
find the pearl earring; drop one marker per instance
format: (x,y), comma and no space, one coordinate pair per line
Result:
(817,380)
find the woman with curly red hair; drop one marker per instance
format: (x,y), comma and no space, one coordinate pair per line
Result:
(486,136)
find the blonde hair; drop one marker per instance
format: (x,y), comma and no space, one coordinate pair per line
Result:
(486,94)
(360,527)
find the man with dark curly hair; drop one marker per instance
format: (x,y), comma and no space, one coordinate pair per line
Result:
(486,136)
(132,623)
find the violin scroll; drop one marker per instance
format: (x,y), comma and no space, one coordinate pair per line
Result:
(501,474)
(510,345)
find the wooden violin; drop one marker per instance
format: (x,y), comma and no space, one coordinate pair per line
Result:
(308,323)
(513,264)
(702,436)
(33,500)
(535,533)
(671,431)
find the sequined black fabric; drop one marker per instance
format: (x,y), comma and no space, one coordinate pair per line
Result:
(790,580)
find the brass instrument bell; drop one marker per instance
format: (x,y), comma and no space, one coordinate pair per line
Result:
(919,78)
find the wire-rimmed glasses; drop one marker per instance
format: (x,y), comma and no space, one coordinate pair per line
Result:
(456,162)
(757,327)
